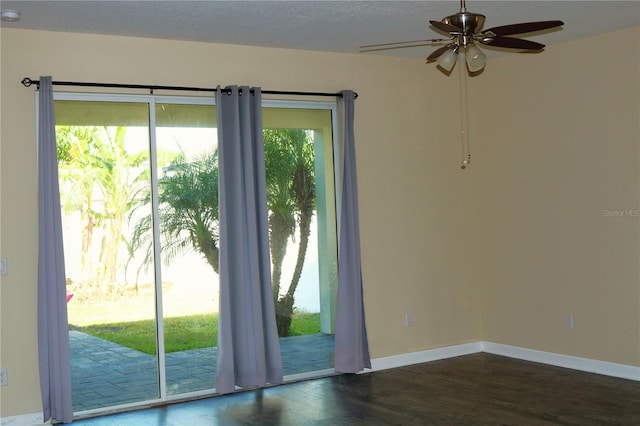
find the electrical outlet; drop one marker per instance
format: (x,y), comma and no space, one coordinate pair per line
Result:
(4,269)
(4,377)
(408,319)
(568,322)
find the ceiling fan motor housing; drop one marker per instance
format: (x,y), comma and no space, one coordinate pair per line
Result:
(469,23)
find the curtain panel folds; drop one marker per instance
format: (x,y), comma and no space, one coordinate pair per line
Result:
(53,335)
(351,344)
(248,344)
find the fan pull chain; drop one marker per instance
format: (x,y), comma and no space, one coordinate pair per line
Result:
(464,113)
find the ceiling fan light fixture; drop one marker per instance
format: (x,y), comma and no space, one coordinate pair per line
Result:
(476,60)
(448,59)
(9,15)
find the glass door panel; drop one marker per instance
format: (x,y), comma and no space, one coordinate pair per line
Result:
(301,215)
(187,164)
(103,158)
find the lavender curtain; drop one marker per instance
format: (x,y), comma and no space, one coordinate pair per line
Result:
(352,347)
(248,345)
(53,335)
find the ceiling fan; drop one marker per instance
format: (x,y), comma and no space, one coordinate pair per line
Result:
(465,30)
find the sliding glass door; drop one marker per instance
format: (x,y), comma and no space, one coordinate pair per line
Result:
(104,173)
(187,222)
(139,193)
(301,205)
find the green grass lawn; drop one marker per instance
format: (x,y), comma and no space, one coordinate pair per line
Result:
(181,333)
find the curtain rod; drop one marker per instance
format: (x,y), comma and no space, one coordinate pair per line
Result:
(28,82)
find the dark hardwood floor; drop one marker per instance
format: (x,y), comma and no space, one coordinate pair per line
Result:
(478,389)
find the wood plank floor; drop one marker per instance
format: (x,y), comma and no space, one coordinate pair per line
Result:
(478,389)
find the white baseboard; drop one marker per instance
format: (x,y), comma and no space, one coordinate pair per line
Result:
(32,419)
(567,361)
(559,360)
(411,358)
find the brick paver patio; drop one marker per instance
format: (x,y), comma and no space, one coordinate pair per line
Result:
(105,374)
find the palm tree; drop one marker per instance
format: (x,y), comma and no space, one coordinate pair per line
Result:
(77,170)
(94,160)
(188,200)
(122,180)
(291,201)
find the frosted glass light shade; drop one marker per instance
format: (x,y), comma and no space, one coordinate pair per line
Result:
(448,60)
(9,15)
(475,58)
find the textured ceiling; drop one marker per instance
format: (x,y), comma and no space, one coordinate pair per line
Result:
(337,26)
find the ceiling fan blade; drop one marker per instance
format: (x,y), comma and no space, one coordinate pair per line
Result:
(401,44)
(525,27)
(437,53)
(513,43)
(447,28)
(376,49)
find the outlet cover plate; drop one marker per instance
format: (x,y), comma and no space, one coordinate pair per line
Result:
(408,319)
(568,322)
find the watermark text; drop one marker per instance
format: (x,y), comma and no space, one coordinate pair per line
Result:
(622,213)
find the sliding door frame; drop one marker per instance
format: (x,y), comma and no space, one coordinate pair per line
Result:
(151,101)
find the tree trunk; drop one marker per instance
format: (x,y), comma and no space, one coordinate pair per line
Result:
(109,253)
(213,258)
(280,232)
(284,311)
(86,261)
(305,230)
(284,306)
(207,245)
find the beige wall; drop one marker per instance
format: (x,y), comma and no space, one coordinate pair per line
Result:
(558,146)
(500,252)
(413,198)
